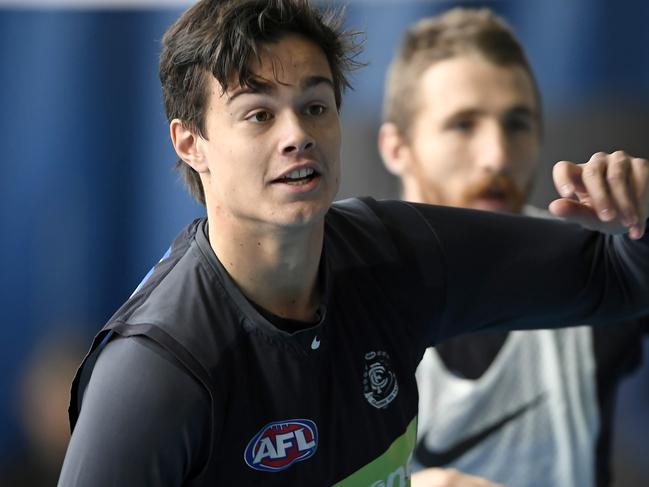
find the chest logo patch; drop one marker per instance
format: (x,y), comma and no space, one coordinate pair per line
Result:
(379,381)
(280,444)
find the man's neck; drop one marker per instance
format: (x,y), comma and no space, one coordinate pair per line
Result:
(413,190)
(276,268)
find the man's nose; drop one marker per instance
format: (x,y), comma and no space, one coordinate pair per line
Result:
(494,151)
(295,138)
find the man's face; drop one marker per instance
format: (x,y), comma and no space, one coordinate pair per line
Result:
(475,140)
(273,152)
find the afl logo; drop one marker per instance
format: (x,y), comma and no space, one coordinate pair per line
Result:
(279,445)
(379,381)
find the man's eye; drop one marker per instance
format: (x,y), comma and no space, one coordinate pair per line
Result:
(316,109)
(518,125)
(260,116)
(462,125)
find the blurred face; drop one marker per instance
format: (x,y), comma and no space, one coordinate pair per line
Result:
(475,140)
(272,153)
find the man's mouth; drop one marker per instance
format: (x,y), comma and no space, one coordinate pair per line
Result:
(492,199)
(499,198)
(298,176)
(497,193)
(494,194)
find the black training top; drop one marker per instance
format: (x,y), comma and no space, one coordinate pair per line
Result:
(205,391)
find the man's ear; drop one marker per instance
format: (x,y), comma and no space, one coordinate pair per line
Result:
(394,149)
(188,146)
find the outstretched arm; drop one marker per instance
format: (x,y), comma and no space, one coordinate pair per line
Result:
(511,272)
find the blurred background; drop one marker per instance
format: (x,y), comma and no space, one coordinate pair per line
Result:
(89,200)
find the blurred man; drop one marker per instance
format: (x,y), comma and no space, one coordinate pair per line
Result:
(42,404)
(462,128)
(276,343)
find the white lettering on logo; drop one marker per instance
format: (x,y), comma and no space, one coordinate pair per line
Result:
(282,441)
(266,450)
(302,444)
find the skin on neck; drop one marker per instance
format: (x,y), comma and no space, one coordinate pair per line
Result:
(414,188)
(275,267)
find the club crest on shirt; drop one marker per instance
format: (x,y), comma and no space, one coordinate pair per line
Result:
(280,444)
(379,381)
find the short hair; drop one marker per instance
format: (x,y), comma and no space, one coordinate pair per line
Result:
(221,38)
(456,32)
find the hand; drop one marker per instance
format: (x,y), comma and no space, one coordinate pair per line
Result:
(447,477)
(609,193)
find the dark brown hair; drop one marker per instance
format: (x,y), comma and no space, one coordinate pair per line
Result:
(221,37)
(456,32)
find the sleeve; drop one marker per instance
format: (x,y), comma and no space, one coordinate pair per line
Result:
(508,272)
(141,422)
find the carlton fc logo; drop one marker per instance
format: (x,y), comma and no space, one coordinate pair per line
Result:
(379,381)
(279,445)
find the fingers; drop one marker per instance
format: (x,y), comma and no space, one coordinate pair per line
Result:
(611,187)
(575,211)
(595,176)
(640,179)
(582,214)
(567,179)
(622,188)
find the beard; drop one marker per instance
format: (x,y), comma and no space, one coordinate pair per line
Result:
(491,192)
(495,191)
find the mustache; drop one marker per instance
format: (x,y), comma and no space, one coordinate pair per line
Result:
(497,185)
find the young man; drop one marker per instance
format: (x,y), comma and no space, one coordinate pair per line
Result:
(276,343)
(526,408)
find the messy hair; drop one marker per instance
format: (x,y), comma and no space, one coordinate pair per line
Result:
(220,38)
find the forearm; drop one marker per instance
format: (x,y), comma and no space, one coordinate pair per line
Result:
(508,272)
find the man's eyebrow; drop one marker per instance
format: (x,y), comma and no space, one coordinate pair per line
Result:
(462,113)
(524,110)
(312,81)
(257,87)
(517,110)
